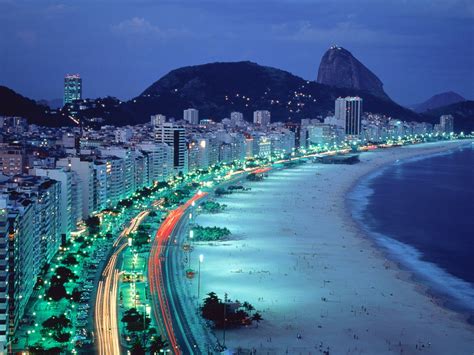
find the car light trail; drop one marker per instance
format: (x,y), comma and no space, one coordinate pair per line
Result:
(160,305)
(106,321)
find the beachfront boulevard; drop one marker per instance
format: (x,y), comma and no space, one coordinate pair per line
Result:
(166,303)
(117,285)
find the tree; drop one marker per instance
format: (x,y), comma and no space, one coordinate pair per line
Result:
(56,291)
(137,348)
(61,337)
(248,306)
(70,260)
(63,275)
(157,344)
(93,223)
(57,322)
(134,320)
(257,317)
(76,295)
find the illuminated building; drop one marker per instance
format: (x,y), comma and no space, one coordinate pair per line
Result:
(157,120)
(72,88)
(191,116)
(261,118)
(22,264)
(236,119)
(174,137)
(349,110)
(67,218)
(83,180)
(158,165)
(12,160)
(447,123)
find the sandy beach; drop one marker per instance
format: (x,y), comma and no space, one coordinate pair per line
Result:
(298,257)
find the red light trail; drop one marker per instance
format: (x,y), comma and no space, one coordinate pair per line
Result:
(155,271)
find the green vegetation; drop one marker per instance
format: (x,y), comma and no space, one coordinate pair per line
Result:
(56,327)
(157,344)
(208,234)
(142,236)
(212,207)
(135,321)
(221,191)
(125,203)
(57,291)
(230,313)
(93,224)
(255,177)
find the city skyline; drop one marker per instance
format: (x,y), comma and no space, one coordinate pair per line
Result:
(197,177)
(400,42)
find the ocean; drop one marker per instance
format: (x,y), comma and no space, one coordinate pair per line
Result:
(421,212)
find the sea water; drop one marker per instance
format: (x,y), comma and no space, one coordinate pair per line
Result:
(421,212)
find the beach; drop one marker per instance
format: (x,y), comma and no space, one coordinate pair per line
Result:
(300,259)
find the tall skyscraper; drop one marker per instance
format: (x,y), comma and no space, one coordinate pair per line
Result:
(261,118)
(174,137)
(191,116)
(348,110)
(72,88)
(447,123)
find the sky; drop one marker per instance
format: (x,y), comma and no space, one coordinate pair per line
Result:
(418,48)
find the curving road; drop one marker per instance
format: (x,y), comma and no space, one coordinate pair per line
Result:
(105,313)
(165,302)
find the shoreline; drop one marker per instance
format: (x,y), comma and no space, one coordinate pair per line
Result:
(278,328)
(421,282)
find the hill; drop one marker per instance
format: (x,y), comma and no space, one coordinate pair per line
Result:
(341,69)
(216,89)
(463,113)
(439,100)
(14,104)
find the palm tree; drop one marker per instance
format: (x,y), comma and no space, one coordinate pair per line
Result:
(157,344)
(137,348)
(257,317)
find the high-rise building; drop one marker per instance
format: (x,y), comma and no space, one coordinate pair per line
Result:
(321,134)
(12,159)
(174,137)
(22,249)
(236,119)
(261,118)
(68,216)
(447,123)
(4,290)
(157,120)
(349,110)
(72,88)
(158,161)
(83,181)
(191,116)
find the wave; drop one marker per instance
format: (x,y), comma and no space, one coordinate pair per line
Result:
(456,293)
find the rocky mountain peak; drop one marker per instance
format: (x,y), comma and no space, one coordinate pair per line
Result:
(341,69)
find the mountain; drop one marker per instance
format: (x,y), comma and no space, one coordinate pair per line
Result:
(341,69)
(216,89)
(53,104)
(13,104)
(440,100)
(463,113)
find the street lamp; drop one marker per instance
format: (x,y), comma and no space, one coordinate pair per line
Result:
(201,259)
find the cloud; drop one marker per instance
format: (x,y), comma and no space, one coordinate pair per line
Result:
(341,32)
(139,27)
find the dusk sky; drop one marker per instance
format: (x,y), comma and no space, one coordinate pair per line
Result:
(417,48)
